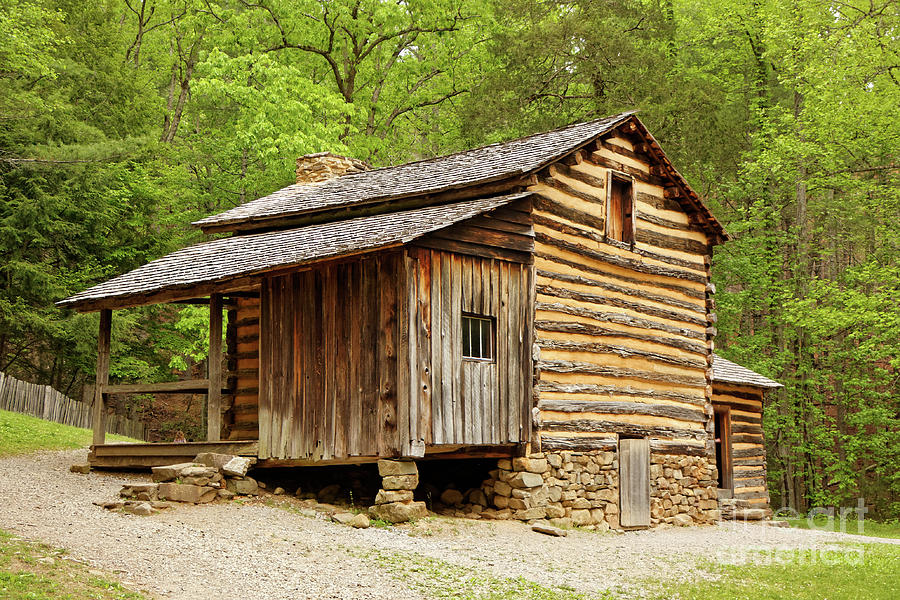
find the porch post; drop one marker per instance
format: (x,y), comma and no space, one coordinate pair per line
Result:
(214,367)
(99,409)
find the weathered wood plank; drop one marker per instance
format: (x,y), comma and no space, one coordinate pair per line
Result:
(634,483)
(102,377)
(681,413)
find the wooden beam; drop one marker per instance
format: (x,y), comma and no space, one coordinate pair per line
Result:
(197,386)
(214,369)
(103,343)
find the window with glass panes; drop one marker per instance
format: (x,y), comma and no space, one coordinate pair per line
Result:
(477,337)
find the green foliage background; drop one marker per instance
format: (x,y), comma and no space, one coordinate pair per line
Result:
(121,121)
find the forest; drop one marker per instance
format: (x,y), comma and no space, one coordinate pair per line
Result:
(123,120)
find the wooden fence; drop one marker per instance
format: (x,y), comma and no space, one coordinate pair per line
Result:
(46,403)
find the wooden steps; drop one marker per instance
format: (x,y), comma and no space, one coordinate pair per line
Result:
(144,456)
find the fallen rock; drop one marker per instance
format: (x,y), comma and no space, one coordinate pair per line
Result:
(237,466)
(84,468)
(142,491)
(180,492)
(243,487)
(198,471)
(388,468)
(400,482)
(343,518)
(143,509)
(278,491)
(452,497)
(387,496)
(399,512)
(170,472)
(225,494)
(548,529)
(477,496)
(360,521)
(111,505)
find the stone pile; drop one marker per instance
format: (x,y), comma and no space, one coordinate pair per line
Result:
(394,502)
(736,509)
(209,477)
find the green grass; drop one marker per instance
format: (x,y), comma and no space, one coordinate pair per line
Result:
(31,571)
(852,525)
(847,572)
(21,434)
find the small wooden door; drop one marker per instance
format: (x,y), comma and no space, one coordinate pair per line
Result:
(634,483)
(723,447)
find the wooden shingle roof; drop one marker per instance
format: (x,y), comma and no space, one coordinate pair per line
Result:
(230,258)
(455,171)
(725,371)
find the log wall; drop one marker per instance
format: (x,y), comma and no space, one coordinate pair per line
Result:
(622,330)
(242,344)
(747,445)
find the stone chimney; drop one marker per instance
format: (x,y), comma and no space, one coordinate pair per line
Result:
(322,166)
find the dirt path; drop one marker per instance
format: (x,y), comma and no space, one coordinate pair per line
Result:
(254,551)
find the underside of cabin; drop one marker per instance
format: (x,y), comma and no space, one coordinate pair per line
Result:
(559,319)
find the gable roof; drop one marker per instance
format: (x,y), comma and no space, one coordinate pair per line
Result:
(227,259)
(725,371)
(495,162)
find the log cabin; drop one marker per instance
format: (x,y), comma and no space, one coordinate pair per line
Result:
(545,302)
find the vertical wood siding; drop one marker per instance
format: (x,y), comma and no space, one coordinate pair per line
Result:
(621,330)
(747,445)
(456,401)
(329,361)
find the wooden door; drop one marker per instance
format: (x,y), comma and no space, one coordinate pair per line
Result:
(634,483)
(723,447)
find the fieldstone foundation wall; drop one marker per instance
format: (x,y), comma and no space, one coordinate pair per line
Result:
(683,490)
(582,488)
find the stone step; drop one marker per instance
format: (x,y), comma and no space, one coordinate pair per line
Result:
(745,514)
(725,493)
(736,503)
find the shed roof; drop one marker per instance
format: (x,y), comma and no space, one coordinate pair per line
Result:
(725,371)
(226,259)
(455,171)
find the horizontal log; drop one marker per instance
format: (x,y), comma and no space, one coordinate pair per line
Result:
(737,394)
(620,351)
(246,338)
(755,453)
(620,261)
(747,438)
(603,161)
(748,473)
(659,202)
(625,151)
(751,495)
(596,330)
(622,289)
(559,209)
(567,189)
(620,276)
(602,426)
(578,175)
(599,236)
(677,448)
(749,462)
(745,428)
(736,418)
(565,366)
(667,223)
(247,322)
(619,390)
(197,386)
(670,242)
(554,442)
(646,309)
(682,413)
(746,483)
(618,318)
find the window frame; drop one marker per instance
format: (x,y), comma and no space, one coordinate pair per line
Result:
(619,176)
(492,337)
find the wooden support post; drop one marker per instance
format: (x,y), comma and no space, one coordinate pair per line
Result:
(214,367)
(103,342)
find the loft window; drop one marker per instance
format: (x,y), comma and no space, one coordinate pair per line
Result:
(620,208)
(477,337)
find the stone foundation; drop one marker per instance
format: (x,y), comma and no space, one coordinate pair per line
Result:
(394,502)
(582,488)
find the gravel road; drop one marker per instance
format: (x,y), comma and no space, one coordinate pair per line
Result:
(256,550)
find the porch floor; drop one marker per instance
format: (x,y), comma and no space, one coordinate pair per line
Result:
(144,456)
